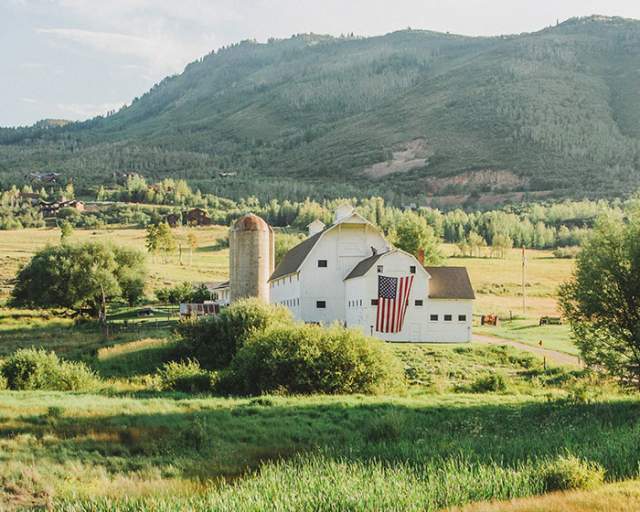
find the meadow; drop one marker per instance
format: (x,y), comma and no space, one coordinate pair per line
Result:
(206,263)
(475,423)
(497,282)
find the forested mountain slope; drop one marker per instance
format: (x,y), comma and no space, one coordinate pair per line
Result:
(406,115)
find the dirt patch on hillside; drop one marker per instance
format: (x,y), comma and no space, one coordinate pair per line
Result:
(404,158)
(484,179)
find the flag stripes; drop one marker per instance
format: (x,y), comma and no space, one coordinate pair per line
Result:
(393,301)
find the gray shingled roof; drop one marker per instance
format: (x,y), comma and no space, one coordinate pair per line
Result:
(294,258)
(217,285)
(363,266)
(449,283)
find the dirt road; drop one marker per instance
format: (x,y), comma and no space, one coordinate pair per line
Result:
(552,356)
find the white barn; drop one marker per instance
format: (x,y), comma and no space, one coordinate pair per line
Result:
(348,272)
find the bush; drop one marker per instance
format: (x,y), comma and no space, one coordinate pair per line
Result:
(311,359)
(569,473)
(566,252)
(214,341)
(184,376)
(487,383)
(29,369)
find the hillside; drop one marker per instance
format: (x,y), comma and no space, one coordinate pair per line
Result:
(406,115)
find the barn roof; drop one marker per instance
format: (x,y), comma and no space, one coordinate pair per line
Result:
(363,266)
(294,258)
(217,286)
(449,283)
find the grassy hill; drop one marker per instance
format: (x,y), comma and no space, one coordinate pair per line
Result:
(405,115)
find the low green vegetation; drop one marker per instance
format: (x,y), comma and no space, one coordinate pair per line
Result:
(31,369)
(305,359)
(214,341)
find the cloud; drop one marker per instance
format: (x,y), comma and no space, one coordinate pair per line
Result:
(28,100)
(163,54)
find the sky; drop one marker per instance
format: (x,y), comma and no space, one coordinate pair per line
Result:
(75,59)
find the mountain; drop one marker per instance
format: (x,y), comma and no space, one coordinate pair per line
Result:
(407,115)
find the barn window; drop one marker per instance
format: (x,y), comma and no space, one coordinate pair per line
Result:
(447,318)
(419,302)
(374,302)
(321,304)
(322,263)
(412,269)
(462,318)
(380,269)
(433,318)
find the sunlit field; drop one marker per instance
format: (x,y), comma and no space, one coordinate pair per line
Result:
(205,264)
(497,282)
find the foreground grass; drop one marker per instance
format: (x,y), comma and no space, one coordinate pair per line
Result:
(172,452)
(618,497)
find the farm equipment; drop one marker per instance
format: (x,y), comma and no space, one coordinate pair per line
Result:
(490,320)
(550,320)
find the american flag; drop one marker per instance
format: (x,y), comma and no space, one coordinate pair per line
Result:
(393,299)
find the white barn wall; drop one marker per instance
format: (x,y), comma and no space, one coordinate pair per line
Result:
(449,331)
(326,284)
(343,246)
(286,291)
(417,326)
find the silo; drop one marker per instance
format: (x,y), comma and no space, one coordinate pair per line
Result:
(251,258)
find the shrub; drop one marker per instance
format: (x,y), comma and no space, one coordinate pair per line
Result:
(311,359)
(29,369)
(489,382)
(566,252)
(569,473)
(214,341)
(184,376)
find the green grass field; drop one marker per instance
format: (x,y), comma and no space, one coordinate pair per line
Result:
(96,452)
(445,441)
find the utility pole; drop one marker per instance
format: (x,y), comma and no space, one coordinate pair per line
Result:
(524,291)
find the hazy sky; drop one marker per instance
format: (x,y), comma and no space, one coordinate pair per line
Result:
(74,59)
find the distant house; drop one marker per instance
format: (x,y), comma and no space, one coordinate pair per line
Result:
(198,217)
(173,219)
(51,209)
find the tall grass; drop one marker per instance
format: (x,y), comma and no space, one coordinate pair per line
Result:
(318,482)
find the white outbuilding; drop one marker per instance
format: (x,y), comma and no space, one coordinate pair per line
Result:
(347,272)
